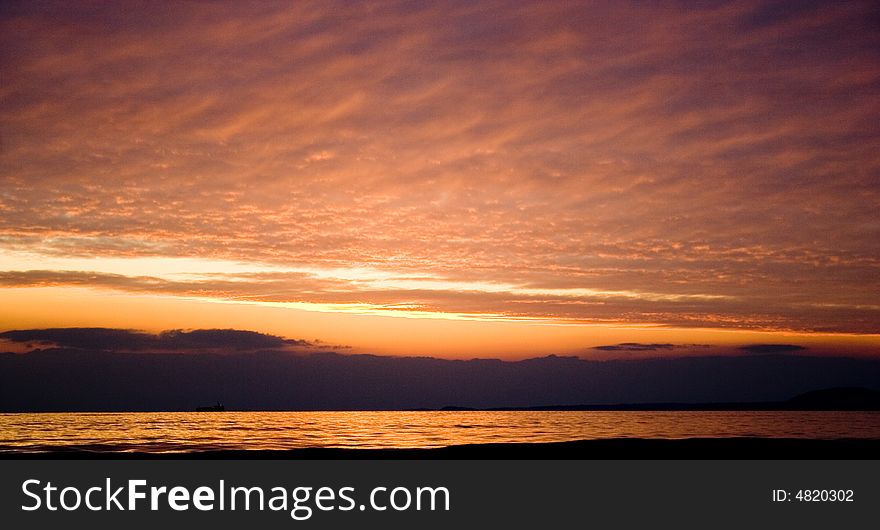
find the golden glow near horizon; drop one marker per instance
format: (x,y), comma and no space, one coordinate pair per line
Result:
(496,179)
(389,332)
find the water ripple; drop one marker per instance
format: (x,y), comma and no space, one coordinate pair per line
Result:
(186,431)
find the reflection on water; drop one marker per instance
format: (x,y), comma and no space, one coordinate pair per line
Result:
(193,431)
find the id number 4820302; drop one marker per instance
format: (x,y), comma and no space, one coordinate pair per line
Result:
(841,495)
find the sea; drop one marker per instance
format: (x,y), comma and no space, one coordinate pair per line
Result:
(174,432)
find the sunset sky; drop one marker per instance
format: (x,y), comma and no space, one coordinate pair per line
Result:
(458,179)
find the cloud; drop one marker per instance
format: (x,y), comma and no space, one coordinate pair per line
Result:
(409,294)
(635,347)
(772,348)
(120,340)
(720,149)
(345,289)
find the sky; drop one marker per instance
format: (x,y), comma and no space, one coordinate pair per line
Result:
(455,179)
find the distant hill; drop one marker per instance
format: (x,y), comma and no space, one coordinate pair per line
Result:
(848,398)
(852,398)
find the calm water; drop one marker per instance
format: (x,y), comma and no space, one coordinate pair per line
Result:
(188,431)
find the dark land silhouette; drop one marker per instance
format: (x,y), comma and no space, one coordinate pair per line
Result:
(615,448)
(826,399)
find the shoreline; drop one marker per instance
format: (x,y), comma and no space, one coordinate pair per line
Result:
(738,448)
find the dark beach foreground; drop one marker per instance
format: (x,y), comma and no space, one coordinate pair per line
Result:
(604,449)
